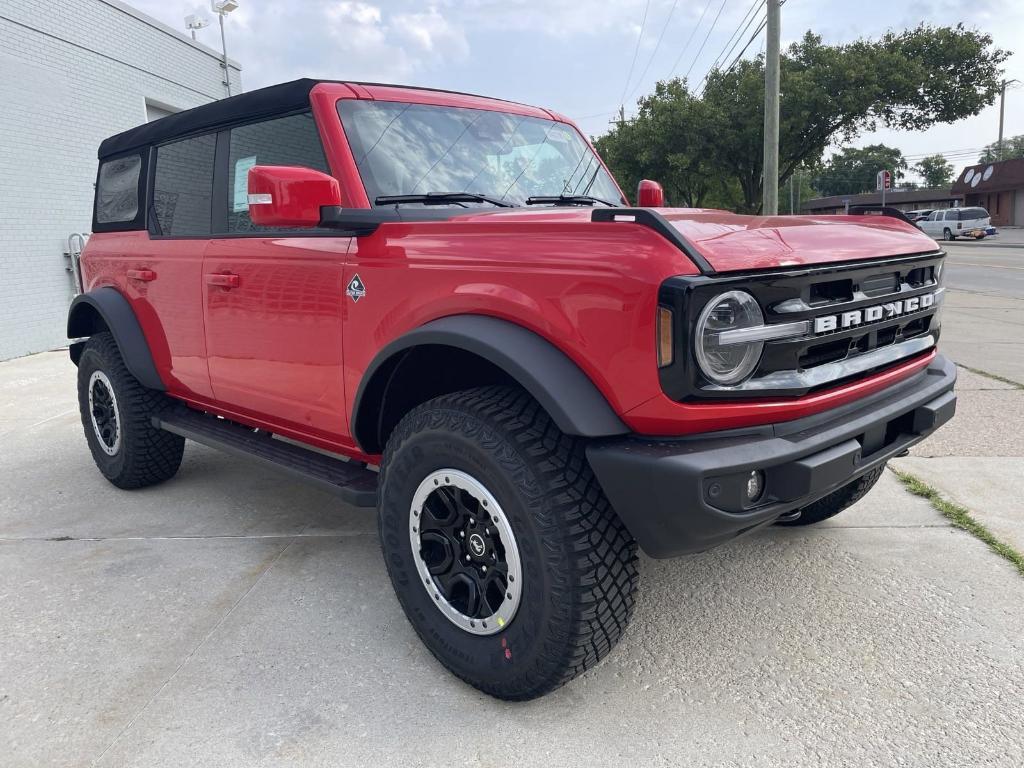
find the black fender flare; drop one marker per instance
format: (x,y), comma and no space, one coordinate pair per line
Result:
(116,313)
(568,395)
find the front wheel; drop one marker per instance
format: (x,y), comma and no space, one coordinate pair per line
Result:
(505,554)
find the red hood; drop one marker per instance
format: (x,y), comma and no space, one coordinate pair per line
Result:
(731,242)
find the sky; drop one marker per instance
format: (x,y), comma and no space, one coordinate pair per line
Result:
(574,56)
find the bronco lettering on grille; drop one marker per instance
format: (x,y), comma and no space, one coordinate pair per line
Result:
(879,312)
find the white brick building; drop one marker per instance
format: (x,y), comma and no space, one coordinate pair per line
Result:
(73,72)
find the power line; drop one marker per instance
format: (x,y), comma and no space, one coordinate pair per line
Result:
(753,37)
(761,25)
(657,45)
(636,50)
(689,39)
(701,49)
(736,35)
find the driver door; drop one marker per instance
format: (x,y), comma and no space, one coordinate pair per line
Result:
(273,299)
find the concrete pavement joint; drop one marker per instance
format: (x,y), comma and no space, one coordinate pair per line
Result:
(211,537)
(961,518)
(993,376)
(193,652)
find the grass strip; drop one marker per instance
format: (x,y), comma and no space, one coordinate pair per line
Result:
(961,518)
(993,376)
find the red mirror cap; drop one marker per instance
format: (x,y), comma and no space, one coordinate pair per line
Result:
(649,194)
(289,196)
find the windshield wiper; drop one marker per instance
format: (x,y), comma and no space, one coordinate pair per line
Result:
(442,198)
(566,200)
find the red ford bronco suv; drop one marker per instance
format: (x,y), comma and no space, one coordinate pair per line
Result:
(442,306)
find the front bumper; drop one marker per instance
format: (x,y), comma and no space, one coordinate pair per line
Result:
(687,495)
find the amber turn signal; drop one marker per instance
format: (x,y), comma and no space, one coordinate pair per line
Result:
(665,345)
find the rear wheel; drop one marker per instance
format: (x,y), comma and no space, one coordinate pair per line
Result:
(837,501)
(116,411)
(504,553)
(947,234)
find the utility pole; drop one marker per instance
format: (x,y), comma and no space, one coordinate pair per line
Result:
(1002,103)
(770,206)
(792,176)
(1003,100)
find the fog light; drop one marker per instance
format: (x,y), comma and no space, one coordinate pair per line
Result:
(755,485)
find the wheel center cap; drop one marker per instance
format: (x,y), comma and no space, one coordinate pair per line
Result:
(477,545)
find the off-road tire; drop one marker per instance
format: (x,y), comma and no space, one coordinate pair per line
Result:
(838,500)
(146,455)
(579,564)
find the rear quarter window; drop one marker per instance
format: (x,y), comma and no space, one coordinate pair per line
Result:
(968,214)
(117,190)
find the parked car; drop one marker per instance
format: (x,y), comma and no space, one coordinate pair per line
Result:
(951,223)
(919,215)
(442,306)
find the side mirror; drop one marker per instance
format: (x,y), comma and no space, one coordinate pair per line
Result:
(649,194)
(289,196)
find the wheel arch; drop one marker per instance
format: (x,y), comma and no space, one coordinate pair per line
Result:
(106,309)
(485,350)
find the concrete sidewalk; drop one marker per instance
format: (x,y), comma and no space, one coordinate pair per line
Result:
(232,617)
(977,461)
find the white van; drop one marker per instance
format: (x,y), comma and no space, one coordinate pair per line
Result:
(949,223)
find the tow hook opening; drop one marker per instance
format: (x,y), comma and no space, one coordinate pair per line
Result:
(789,517)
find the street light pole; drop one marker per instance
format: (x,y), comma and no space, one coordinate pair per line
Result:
(224,50)
(770,206)
(222,8)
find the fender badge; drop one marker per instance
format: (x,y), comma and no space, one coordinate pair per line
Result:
(356,290)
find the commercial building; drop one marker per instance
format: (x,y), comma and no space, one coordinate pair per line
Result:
(72,73)
(903,199)
(997,187)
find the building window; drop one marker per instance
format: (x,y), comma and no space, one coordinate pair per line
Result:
(291,140)
(183,186)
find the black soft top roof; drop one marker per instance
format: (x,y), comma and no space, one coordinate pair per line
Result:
(245,107)
(251,105)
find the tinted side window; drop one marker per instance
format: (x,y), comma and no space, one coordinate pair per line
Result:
(291,140)
(183,186)
(117,190)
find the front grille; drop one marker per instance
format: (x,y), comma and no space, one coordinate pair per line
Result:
(861,326)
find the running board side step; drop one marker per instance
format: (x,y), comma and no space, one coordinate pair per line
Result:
(352,481)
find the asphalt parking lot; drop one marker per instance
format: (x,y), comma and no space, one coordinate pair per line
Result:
(232,617)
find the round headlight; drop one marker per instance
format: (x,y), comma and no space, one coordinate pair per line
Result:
(726,360)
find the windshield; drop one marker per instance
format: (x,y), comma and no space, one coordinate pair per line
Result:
(408,149)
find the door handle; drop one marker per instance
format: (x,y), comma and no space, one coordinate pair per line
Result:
(225,280)
(145,275)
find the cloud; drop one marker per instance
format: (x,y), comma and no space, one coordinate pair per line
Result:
(378,45)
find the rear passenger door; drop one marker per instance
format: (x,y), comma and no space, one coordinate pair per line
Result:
(273,299)
(164,285)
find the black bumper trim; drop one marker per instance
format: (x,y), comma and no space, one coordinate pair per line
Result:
(687,495)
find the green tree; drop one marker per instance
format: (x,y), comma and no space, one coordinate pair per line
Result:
(1013,147)
(936,171)
(831,94)
(853,170)
(665,142)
